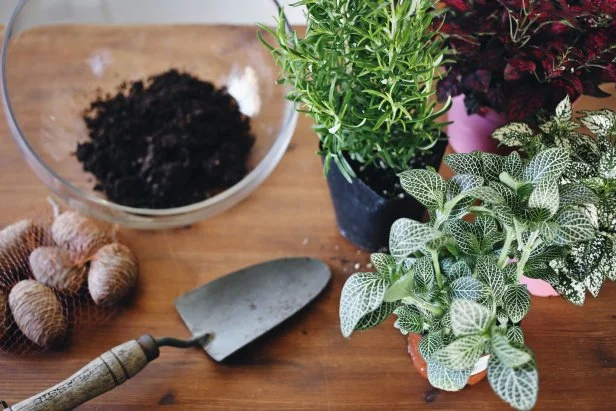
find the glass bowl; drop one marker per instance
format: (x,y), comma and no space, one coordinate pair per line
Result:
(58,54)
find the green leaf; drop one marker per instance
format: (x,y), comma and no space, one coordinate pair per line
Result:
(466,163)
(465,239)
(399,290)
(469,317)
(607,265)
(513,134)
(489,273)
(462,183)
(384,263)
(607,164)
(515,334)
(362,293)
(409,320)
(426,186)
(408,236)
(576,194)
(461,354)
(445,379)
(509,355)
(516,302)
(488,195)
(593,282)
(514,165)
(570,289)
(564,111)
(601,123)
(467,288)
(376,317)
(574,226)
(550,163)
(545,196)
(430,343)
(518,387)
(424,273)
(492,166)
(458,270)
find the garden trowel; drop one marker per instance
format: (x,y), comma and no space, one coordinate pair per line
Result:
(223,316)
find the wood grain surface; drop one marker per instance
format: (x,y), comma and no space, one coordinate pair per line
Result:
(304,364)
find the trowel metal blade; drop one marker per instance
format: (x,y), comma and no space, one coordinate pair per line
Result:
(242,306)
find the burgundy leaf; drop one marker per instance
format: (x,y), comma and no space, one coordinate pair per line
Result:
(478,81)
(460,5)
(524,103)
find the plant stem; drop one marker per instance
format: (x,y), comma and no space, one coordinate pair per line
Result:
(437,268)
(528,248)
(423,304)
(502,259)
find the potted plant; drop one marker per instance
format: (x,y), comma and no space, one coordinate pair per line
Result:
(364,71)
(591,177)
(456,279)
(511,59)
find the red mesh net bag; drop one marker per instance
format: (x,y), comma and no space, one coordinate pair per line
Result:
(60,272)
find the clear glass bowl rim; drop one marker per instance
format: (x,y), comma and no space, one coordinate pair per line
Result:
(274,154)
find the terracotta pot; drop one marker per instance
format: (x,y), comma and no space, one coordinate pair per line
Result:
(474,132)
(422,368)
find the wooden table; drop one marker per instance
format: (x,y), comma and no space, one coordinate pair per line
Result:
(305,364)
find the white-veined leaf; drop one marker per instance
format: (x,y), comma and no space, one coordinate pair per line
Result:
(462,183)
(490,274)
(550,163)
(466,163)
(545,196)
(469,317)
(493,165)
(516,301)
(408,236)
(462,233)
(424,273)
(409,320)
(467,288)
(576,194)
(445,379)
(384,263)
(518,387)
(376,317)
(458,270)
(487,195)
(430,343)
(362,293)
(513,165)
(573,226)
(509,355)
(428,187)
(461,354)
(515,334)
(513,134)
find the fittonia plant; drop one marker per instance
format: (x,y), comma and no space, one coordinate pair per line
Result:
(590,181)
(456,279)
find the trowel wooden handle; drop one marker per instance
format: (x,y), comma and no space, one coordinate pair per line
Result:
(103,374)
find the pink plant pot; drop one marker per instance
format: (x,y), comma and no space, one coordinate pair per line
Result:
(474,132)
(538,288)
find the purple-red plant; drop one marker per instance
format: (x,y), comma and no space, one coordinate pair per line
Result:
(521,56)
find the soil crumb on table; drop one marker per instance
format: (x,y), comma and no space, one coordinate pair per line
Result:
(169,141)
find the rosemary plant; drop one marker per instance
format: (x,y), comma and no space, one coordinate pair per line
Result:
(456,279)
(590,180)
(364,72)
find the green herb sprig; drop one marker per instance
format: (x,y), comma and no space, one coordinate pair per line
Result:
(456,279)
(365,71)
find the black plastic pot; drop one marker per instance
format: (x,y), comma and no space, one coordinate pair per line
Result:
(364,216)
